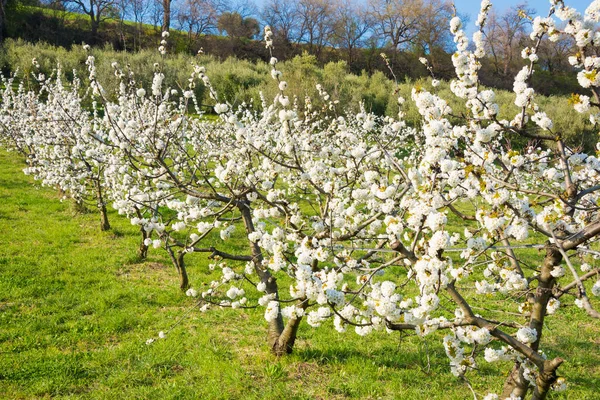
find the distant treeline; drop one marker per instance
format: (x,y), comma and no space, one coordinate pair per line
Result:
(356,33)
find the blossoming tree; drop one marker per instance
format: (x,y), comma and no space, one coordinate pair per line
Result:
(289,186)
(53,128)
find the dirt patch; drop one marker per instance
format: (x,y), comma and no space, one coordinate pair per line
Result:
(154,265)
(303,370)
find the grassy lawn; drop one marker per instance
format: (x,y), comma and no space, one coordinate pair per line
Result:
(76,308)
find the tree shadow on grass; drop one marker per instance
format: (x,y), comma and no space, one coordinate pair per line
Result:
(392,356)
(9,184)
(5,216)
(578,354)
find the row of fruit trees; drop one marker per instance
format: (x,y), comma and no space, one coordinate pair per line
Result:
(310,212)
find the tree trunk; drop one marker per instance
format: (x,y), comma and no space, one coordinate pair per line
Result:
(184,283)
(122,32)
(280,337)
(166,15)
(104,224)
(546,378)
(179,263)
(94,25)
(515,384)
(287,338)
(143,249)
(543,292)
(2,20)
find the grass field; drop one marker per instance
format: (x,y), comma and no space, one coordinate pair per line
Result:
(76,308)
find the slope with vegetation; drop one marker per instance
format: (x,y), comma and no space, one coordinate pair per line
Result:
(242,81)
(331,32)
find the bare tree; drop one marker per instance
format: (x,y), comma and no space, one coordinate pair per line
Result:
(282,16)
(122,9)
(396,21)
(95,9)
(316,18)
(246,8)
(157,14)
(504,36)
(554,54)
(433,33)
(197,17)
(138,10)
(352,23)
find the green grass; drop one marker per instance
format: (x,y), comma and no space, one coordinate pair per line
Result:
(76,308)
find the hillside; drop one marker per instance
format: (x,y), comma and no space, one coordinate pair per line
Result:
(65,29)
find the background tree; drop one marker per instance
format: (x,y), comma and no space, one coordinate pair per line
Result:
(156,15)
(95,9)
(139,10)
(282,17)
(433,37)
(554,54)
(122,8)
(505,36)
(197,17)
(236,26)
(351,25)
(316,24)
(246,8)
(396,21)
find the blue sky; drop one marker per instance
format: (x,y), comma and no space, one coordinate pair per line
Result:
(471,7)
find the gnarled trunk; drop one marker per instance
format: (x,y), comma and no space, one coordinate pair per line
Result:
(515,384)
(546,378)
(104,224)
(284,343)
(143,249)
(280,338)
(179,263)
